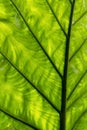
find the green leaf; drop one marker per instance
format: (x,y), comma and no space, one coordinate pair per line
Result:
(43,64)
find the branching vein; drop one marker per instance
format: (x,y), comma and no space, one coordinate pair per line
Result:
(18,119)
(56,18)
(30,82)
(78,50)
(80,18)
(64,81)
(82,114)
(54,66)
(76,85)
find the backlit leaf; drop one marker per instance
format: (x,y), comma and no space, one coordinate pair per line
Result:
(43,64)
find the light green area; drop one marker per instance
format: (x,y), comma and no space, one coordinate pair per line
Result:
(32,49)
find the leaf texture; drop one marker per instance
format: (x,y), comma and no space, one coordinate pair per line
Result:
(43,64)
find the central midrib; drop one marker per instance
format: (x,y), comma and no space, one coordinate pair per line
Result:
(64,80)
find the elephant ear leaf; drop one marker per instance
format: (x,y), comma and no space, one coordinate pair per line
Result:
(43,64)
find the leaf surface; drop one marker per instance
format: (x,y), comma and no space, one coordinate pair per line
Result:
(43,64)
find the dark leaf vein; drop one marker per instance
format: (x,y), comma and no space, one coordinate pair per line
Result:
(78,98)
(18,119)
(56,18)
(64,80)
(25,77)
(82,114)
(76,85)
(70,2)
(78,50)
(79,18)
(54,66)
